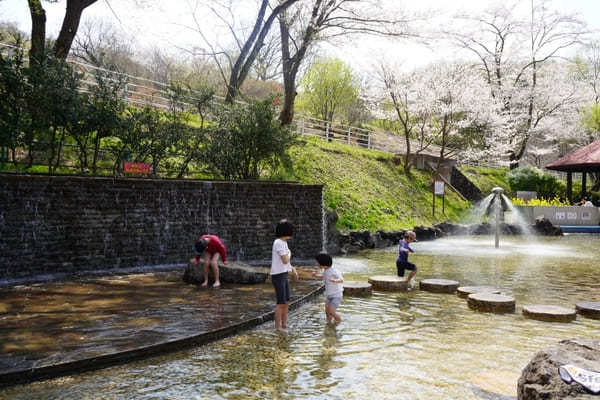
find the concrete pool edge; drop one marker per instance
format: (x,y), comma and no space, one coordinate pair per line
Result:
(29,375)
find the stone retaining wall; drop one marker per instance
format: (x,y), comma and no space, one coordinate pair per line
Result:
(51,225)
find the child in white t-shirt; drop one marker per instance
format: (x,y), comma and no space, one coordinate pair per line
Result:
(280,266)
(334,286)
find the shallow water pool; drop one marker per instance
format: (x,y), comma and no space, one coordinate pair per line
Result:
(414,345)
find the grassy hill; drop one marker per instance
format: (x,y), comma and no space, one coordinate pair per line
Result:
(487,178)
(369,191)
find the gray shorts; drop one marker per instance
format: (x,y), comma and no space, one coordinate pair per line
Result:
(334,301)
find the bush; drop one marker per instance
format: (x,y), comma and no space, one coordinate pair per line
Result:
(248,141)
(534,179)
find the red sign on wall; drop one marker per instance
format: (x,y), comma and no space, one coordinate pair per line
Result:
(136,168)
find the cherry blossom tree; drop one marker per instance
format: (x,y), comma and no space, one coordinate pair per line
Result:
(442,104)
(512,50)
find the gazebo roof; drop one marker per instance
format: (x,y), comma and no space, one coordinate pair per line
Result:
(585,159)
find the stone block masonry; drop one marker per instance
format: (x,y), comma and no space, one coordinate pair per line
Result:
(66,225)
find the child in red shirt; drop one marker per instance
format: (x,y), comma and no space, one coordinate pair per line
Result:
(212,247)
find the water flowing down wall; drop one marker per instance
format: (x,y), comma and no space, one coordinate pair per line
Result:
(51,225)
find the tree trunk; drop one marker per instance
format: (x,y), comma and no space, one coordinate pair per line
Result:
(38,30)
(291,64)
(69,27)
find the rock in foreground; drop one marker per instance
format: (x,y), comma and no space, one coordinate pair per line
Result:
(540,378)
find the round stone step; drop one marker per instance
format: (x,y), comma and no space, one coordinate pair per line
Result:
(465,291)
(590,309)
(438,285)
(388,282)
(360,289)
(549,313)
(490,302)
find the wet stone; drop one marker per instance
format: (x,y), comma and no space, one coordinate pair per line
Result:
(549,313)
(465,291)
(589,309)
(490,302)
(232,272)
(360,289)
(438,285)
(389,282)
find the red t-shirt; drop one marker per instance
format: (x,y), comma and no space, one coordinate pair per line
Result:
(214,246)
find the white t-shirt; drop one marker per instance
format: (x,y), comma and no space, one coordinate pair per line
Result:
(332,289)
(280,248)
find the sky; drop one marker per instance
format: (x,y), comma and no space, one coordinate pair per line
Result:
(166,24)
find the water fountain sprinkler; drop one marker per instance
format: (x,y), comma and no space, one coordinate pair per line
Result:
(498,204)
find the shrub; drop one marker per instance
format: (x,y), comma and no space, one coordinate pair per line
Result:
(534,179)
(248,141)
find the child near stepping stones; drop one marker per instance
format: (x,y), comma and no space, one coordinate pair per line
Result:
(280,266)
(333,286)
(402,263)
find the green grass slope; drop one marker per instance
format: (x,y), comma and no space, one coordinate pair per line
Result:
(487,178)
(368,190)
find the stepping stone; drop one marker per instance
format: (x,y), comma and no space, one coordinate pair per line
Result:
(589,309)
(548,313)
(465,291)
(438,285)
(389,282)
(360,289)
(490,302)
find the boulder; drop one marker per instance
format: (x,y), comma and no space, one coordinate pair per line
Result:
(449,229)
(362,239)
(510,229)
(481,229)
(232,272)
(544,227)
(380,240)
(427,232)
(540,378)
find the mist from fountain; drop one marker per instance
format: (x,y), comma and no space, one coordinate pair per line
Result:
(492,209)
(478,212)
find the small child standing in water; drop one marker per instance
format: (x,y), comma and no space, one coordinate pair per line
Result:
(280,266)
(333,286)
(402,261)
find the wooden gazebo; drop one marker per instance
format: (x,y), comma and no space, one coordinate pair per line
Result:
(585,160)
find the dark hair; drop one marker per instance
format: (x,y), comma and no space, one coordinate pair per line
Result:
(324,259)
(284,228)
(199,246)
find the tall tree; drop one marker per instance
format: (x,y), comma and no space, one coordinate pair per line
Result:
(70,24)
(328,86)
(310,22)
(248,44)
(512,51)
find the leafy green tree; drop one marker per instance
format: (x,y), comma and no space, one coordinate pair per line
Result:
(52,100)
(14,114)
(129,142)
(248,141)
(591,120)
(105,109)
(192,140)
(533,179)
(328,87)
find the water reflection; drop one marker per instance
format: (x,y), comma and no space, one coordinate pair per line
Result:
(391,345)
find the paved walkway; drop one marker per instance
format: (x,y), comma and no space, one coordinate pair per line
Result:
(59,328)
